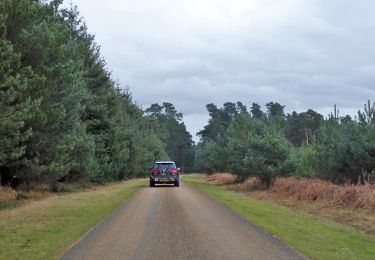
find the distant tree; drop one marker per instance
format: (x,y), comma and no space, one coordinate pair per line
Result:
(302,128)
(215,156)
(345,152)
(294,129)
(220,120)
(239,133)
(306,161)
(154,111)
(256,111)
(178,141)
(268,155)
(217,124)
(367,117)
(241,108)
(339,149)
(275,110)
(346,119)
(171,112)
(230,111)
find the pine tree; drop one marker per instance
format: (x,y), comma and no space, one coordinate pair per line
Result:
(16,106)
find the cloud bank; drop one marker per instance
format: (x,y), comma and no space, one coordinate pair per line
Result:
(301,53)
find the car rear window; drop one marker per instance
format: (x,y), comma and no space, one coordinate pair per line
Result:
(164,166)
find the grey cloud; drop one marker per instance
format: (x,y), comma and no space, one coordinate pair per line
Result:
(301,53)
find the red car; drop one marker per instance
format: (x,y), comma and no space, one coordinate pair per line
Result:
(165,172)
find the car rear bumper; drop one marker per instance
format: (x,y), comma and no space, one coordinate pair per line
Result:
(165,180)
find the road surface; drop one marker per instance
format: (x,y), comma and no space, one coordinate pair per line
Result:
(177,223)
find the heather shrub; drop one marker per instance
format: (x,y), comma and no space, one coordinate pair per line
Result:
(251,183)
(221,178)
(304,189)
(365,197)
(349,196)
(356,196)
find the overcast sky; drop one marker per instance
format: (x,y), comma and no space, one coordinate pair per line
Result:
(300,53)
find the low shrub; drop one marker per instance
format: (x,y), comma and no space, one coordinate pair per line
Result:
(350,196)
(305,189)
(252,183)
(22,196)
(356,196)
(221,178)
(353,196)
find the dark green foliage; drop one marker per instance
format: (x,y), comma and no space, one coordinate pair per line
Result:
(239,133)
(275,110)
(249,145)
(167,123)
(62,117)
(268,155)
(306,160)
(215,156)
(15,105)
(339,149)
(303,128)
(217,125)
(255,148)
(256,111)
(345,151)
(220,120)
(367,117)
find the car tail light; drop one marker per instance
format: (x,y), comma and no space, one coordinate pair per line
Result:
(154,171)
(173,171)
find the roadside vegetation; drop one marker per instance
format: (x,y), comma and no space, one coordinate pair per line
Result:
(43,229)
(315,237)
(63,118)
(65,123)
(323,166)
(266,145)
(350,205)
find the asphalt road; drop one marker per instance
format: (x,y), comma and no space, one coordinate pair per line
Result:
(177,223)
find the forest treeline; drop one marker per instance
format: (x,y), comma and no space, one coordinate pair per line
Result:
(62,116)
(64,119)
(267,144)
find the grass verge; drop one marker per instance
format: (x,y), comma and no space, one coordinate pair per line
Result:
(315,237)
(43,229)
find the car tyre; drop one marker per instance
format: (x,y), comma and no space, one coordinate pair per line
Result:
(152,183)
(177,184)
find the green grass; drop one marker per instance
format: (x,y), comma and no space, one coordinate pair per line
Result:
(44,229)
(312,236)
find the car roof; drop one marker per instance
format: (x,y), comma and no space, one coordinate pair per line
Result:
(164,162)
